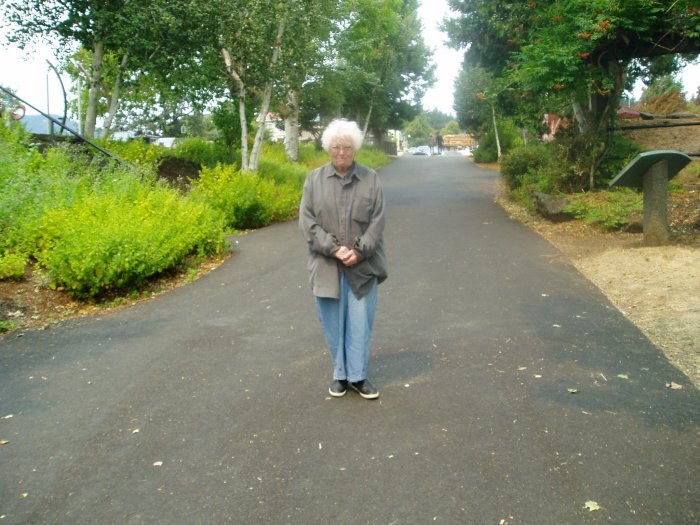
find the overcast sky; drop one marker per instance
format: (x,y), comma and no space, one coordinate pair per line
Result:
(28,73)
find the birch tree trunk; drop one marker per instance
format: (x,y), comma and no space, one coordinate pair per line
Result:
(265,108)
(291,126)
(114,99)
(495,130)
(94,80)
(240,95)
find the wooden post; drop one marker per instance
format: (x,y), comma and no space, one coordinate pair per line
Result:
(655,225)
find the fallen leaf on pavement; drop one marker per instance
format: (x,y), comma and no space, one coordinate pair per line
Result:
(674,386)
(591,505)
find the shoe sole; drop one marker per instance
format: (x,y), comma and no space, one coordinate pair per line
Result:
(337,394)
(366,396)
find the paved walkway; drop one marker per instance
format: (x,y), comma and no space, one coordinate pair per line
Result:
(512,391)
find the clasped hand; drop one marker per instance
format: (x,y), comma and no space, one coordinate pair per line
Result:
(346,255)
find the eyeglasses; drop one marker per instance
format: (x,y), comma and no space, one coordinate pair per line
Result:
(342,149)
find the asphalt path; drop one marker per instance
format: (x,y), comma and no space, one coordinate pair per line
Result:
(512,391)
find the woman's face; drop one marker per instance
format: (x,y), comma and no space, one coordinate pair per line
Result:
(342,154)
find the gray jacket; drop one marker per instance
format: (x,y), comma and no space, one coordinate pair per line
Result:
(343,211)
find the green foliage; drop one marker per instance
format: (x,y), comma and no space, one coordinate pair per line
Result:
(6,326)
(508,135)
(418,130)
(99,228)
(620,152)
(372,157)
(12,265)
(245,201)
(451,128)
(606,209)
(205,152)
(138,153)
(552,167)
(114,241)
(94,225)
(531,166)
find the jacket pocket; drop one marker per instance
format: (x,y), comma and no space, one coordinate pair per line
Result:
(361,210)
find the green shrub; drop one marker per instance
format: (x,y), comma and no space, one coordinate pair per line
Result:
(508,136)
(137,153)
(12,265)
(620,152)
(246,201)
(113,242)
(206,153)
(607,209)
(372,157)
(523,161)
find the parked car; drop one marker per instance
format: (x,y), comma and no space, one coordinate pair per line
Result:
(420,150)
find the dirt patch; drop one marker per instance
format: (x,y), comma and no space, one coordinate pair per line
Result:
(178,172)
(32,304)
(658,289)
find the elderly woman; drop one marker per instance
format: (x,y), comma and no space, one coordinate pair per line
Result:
(342,219)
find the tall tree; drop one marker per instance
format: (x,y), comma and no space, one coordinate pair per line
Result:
(574,51)
(135,33)
(384,62)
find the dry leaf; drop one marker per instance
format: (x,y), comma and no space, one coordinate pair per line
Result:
(674,386)
(157,463)
(623,376)
(4,442)
(591,505)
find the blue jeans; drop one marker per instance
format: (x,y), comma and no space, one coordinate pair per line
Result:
(347,324)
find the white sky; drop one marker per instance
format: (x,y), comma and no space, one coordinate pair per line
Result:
(28,74)
(448,61)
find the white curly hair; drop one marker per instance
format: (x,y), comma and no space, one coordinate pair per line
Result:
(342,129)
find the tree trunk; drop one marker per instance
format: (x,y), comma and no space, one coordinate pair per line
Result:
(239,87)
(495,130)
(260,133)
(94,81)
(369,116)
(291,126)
(596,120)
(265,107)
(114,99)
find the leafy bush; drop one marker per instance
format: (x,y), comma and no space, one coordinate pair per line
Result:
(524,161)
(114,241)
(246,201)
(620,152)
(607,209)
(137,153)
(205,153)
(508,136)
(12,265)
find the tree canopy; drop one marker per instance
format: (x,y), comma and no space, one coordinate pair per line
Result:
(577,53)
(360,59)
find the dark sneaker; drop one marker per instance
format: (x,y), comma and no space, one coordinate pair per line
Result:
(339,387)
(365,389)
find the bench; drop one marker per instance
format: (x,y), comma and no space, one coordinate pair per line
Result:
(650,171)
